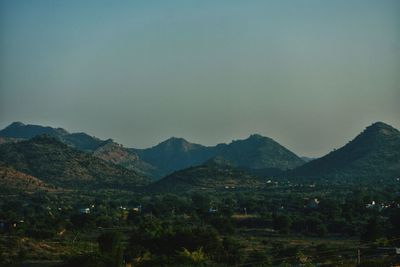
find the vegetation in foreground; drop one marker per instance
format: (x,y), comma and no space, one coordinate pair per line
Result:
(285,225)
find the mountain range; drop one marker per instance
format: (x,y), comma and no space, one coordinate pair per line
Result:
(257,154)
(38,157)
(81,141)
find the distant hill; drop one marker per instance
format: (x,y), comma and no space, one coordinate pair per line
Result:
(11,179)
(258,154)
(20,130)
(215,174)
(373,154)
(55,163)
(107,150)
(81,141)
(128,158)
(175,154)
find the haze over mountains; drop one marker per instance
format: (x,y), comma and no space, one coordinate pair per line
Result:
(53,157)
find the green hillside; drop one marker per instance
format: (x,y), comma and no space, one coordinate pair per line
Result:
(216,174)
(373,154)
(58,164)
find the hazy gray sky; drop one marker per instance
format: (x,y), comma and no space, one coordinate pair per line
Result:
(310,74)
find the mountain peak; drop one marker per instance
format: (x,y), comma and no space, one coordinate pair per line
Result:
(15,124)
(260,152)
(176,143)
(176,140)
(255,139)
(380,124)
(81,141)
(27,131)
(381,128)
(372,154)
(256,136)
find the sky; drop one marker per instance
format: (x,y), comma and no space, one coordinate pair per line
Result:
(309,74)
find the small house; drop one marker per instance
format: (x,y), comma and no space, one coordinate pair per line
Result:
(84,210)
(313,203)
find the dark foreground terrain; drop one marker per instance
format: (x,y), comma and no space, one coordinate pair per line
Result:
(282,224)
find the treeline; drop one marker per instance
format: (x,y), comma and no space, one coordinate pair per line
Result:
(203,229)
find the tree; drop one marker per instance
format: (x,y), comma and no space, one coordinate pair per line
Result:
(372,230)
(329,208)
(201,203)
(110,247)
(282,223)
(259,258)
(192,258)
(231,252)
(394,219)
(316,226)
